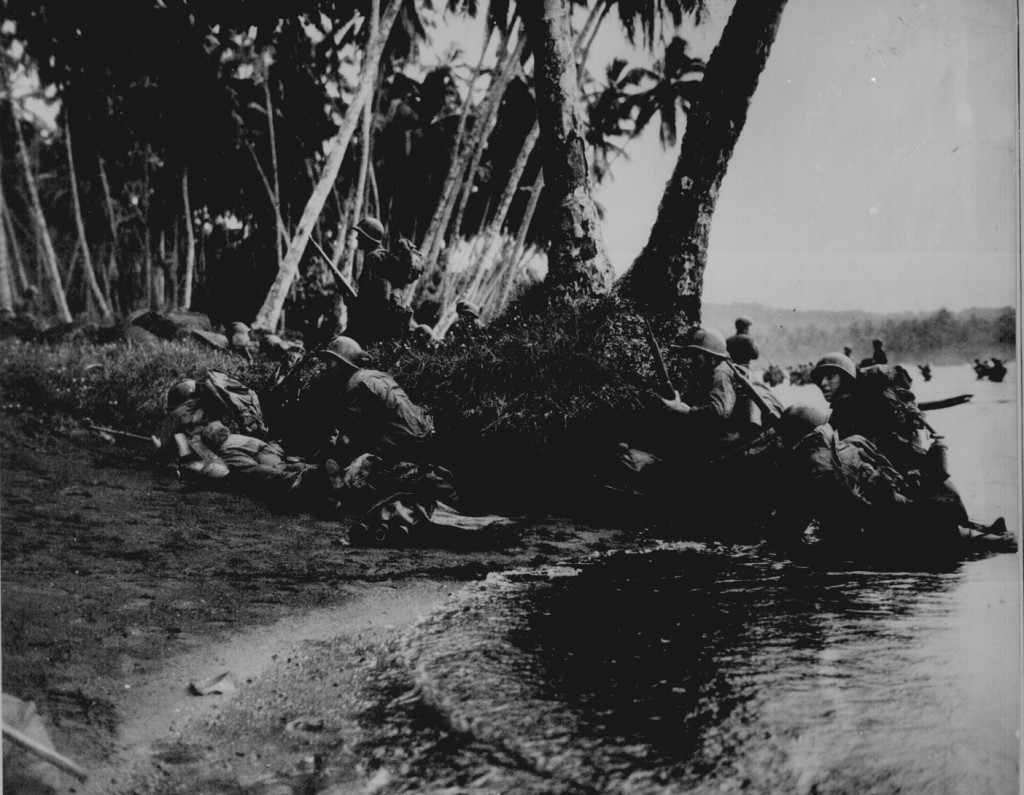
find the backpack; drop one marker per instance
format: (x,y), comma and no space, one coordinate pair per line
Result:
(240,403)
(404,264)
(891,384)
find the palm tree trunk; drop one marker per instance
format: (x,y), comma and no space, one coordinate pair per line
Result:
(270,312)
(6,294)
(113,271)
(15,249)
(51,269)
(282,237)
(190,246)
(524,228)
(504,69)
(576,258)
(364,168)
(481,135)
(668,276)
(457,166)
(87,268)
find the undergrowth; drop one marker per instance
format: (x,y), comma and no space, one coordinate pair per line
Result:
(527,412)
(115,385)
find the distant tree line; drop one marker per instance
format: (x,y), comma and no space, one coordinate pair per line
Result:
(940,338)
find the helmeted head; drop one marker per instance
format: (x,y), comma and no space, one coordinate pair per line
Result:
(345,350)
(464,307)
(424,332)
(799,420)
(370,230)
(239,327)
(708,341)
(743,324)
(876,343)
(215,434)
(180,392)
(834,373)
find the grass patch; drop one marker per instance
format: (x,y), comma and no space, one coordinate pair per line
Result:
(114,384)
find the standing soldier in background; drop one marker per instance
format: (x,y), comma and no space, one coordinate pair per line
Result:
(376,314)
(741,346)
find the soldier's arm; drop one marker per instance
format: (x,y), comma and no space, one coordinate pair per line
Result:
(721,400)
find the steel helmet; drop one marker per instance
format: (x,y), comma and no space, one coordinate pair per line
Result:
(467,307)
(835,362)
(371,228)
(743,323)
(709,341)
(179,393)
(799,420)
(344,349)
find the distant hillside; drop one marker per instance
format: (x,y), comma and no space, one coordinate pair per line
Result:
(789,336)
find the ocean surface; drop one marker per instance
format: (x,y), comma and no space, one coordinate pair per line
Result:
(707,668)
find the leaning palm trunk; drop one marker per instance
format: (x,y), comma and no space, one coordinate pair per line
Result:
(508,60)
(6,294)
(14,248)
(518,257)
(668,276)
(270,312)
(481,141)
(348,245)
(577,258)
(51,269)
(190,246)
(87,268)
(112,270)
(457,165)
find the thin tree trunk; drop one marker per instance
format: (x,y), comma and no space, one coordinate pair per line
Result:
(435,237)
(147,238)
(364,167)
(49,255)
(668,275)
(282,237)
(6,274)
(87,268)
(113,271)
(6,292)
(190,242)
(19,265)
(576,258)
(524,227)
(483,133)
(270,312)
(457,166)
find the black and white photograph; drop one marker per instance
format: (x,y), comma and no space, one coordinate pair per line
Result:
(500,397)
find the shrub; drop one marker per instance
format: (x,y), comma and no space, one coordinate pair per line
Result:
(115,384)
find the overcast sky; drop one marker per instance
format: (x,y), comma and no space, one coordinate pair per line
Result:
(877,168)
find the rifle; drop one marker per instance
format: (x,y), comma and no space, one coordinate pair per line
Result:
(135,437)
(768,414)
(667,390)
(347,289)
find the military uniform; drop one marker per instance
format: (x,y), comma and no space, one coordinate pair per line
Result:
(376,416)
(742,348)
(375,315)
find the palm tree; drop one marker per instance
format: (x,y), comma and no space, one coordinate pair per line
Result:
(668,276)
(675,80)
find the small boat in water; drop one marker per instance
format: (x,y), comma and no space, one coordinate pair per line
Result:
(931,405)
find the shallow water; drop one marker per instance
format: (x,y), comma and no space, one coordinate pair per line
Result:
(742,669)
